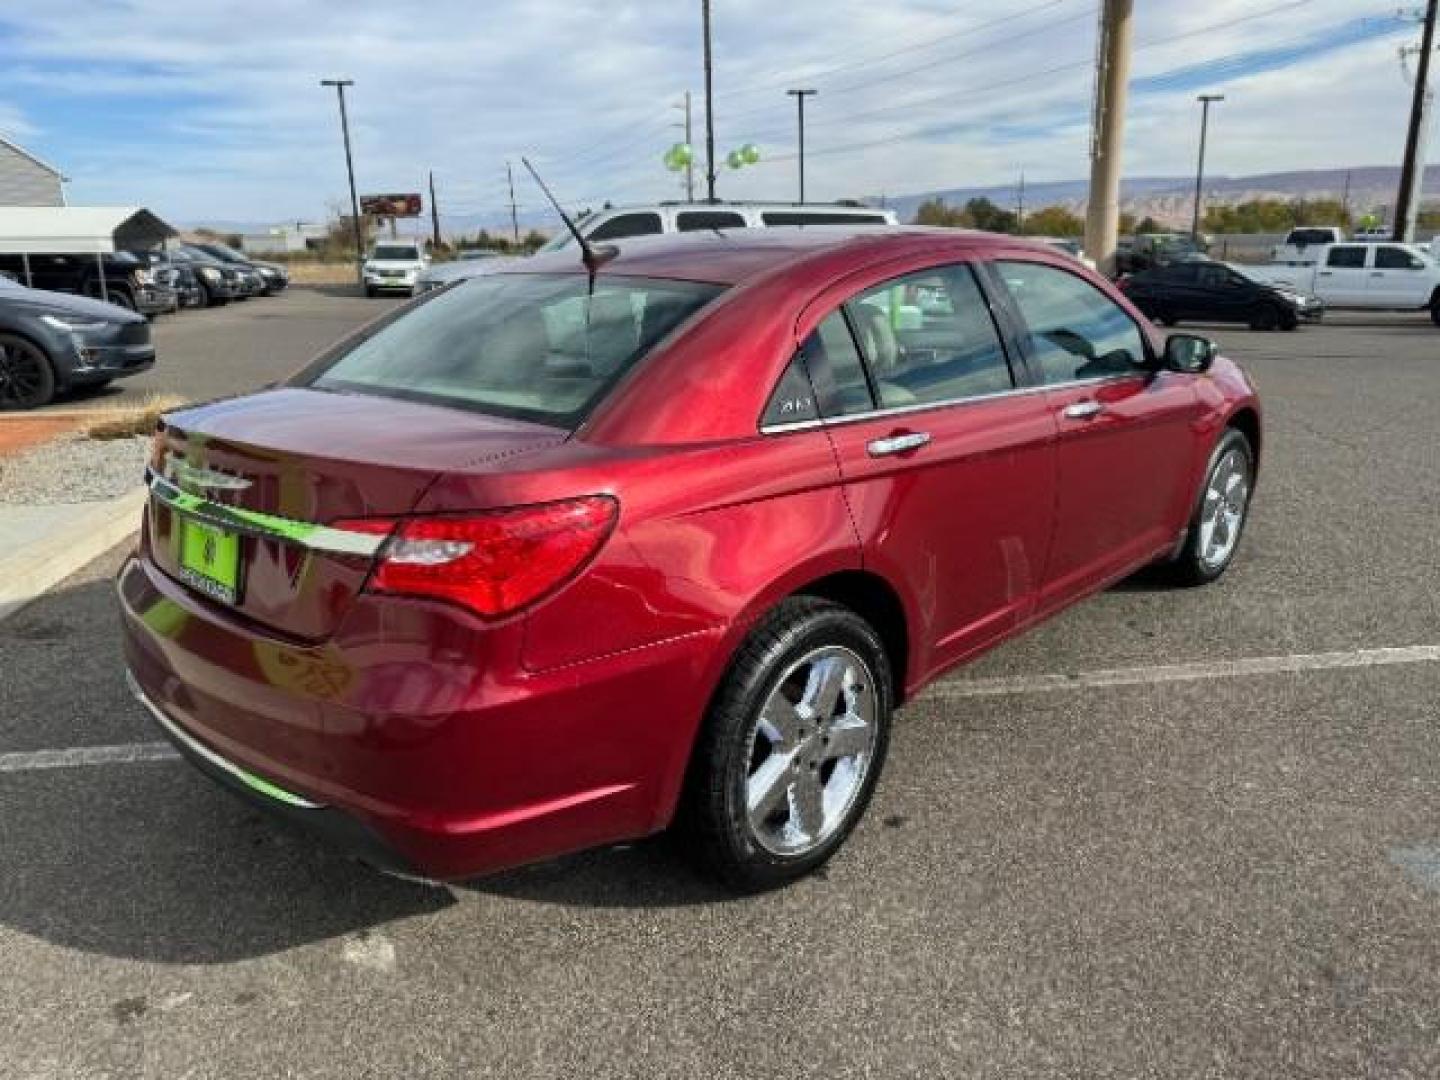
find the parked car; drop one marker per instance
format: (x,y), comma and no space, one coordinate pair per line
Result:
(1300,245)
(656,219)
(51,342)
(245,280)
(1146,250)
(394,266)
(273,277)
(1375,277)
(219,282)
(176,275)
(548,558)
(128,281)
(1218,292)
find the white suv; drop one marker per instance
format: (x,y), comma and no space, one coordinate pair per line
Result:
(393,266)
(618,223)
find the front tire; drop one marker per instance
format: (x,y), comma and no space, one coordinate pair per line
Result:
(1266,317)
(1220,514)
(792,746)
(27,379)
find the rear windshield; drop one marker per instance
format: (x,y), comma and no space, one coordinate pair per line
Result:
(530,346)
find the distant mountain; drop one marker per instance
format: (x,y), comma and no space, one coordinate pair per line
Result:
(1170,199)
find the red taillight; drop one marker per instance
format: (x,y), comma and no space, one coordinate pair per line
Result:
(495,562)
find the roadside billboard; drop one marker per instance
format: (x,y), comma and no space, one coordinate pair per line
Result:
(391,206)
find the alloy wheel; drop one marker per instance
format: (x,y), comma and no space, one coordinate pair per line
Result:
(24,375)
(811,749)
(1227,496)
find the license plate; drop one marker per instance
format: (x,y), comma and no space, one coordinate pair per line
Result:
(210,561)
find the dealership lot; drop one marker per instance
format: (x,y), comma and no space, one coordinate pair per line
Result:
(1224,860)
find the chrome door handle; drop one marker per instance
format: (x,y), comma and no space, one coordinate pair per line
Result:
(897,444)
(1083,410)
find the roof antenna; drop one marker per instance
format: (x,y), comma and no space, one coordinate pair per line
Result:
(593,257)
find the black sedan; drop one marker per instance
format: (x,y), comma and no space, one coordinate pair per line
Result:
(1217,292)
(272,276)
(51,342)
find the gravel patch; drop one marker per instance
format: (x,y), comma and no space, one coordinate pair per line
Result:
(73,470)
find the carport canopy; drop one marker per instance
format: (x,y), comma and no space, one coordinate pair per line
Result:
(78,230)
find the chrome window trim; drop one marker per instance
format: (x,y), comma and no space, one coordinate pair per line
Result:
(320,538)
(928,406)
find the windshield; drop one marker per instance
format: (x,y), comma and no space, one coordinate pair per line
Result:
(398,252)
(531,346)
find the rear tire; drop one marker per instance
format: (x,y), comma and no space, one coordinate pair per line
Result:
(27,378)
(792,746)
(1221,511)
(1435,308)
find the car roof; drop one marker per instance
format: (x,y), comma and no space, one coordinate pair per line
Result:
(733,256)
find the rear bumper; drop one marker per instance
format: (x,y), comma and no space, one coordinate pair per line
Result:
(416,740)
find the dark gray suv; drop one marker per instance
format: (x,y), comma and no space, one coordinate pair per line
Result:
(51,342)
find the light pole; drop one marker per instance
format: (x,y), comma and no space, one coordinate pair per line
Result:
(709,106)
(689,165)
(1205,100)
(800,96)
(340,85)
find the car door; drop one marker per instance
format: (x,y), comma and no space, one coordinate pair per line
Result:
(947,464)
(1225,296)
(1398,278)
(1125,442)
(1341,280)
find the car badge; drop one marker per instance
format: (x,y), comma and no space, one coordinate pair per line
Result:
(193,476)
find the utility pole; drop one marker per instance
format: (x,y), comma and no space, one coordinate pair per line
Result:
(1112,87)
(434,212)
(514,215)
(1020,205)
(340,85)
(709,106)
(689,165)
(1345,202)
(800,96)
(1412,179)
(1205,101)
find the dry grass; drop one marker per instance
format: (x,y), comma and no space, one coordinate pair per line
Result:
(321,273)
(127,421)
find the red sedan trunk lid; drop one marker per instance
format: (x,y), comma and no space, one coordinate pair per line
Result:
(314,458)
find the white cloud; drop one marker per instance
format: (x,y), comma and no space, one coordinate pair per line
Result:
(216,113)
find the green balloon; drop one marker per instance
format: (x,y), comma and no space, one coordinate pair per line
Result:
(735,159)
(750,153)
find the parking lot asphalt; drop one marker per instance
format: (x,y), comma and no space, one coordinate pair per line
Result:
(1207,866)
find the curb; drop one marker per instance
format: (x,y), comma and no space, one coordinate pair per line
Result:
(38,564)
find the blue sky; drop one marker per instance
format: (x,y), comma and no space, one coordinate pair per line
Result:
(215,113)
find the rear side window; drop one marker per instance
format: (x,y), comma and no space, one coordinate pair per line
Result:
(532,346)
(624,225)
(1305,237)
(836,370)
(1348,257)
(819,217)
(1394,258)
(1073,330)
(698,220)
(929,338)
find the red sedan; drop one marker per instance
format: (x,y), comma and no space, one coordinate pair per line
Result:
(552,559)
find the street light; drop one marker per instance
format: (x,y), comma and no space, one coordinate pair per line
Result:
(1205,100)
(340,85)
(800,96)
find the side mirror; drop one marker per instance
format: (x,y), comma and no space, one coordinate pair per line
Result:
(1189,354)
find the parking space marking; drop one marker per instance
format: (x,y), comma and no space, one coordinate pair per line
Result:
(1191,672)
(138,753)
(127,754)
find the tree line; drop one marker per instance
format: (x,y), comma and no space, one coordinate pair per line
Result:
(1253,216)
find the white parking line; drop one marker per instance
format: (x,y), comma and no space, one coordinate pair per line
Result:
(128,754)
(136,753)
(1170,673)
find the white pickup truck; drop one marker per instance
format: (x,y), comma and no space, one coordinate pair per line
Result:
(1370,276)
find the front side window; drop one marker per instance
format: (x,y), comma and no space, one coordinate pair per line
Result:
(1395,258)
(626,225)
(700,220)
(929,337)
(1074,331)
(1352,258)
(532,346)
